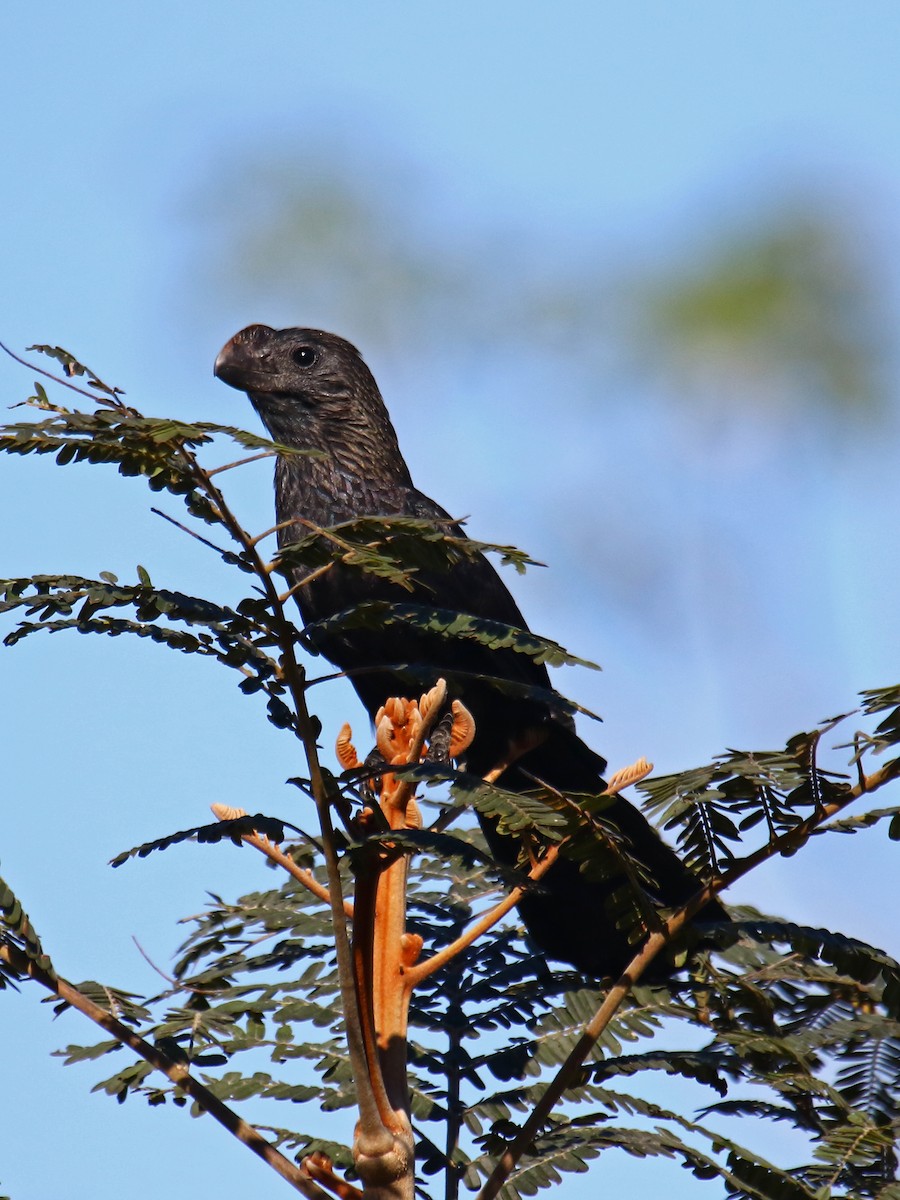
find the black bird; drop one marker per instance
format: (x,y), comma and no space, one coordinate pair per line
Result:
(314,392)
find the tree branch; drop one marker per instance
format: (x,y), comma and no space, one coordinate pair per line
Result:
(416,974)
(788,843)
(276,855)
(177,1073)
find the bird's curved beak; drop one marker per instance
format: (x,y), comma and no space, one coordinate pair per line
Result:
(244,356)
(224,360)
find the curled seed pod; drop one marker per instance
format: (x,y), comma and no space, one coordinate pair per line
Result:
(628,775)
(413,731)
(395,708)
(345,750)
(384,736)
(412,815)
(463,730)
(224,812)
(433,699)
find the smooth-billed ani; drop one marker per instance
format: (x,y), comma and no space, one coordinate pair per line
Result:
(314,392)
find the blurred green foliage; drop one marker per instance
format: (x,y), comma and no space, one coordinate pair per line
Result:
(776,313)
(779,312)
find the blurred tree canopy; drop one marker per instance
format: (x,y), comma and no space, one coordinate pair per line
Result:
(776,313)
(780,313)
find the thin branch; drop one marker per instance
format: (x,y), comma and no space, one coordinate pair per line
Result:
(319,571)
(446,818)
(93,396)
(320,1167)
(259,537)
(276,855)
(158,512)
(416,974)
(241,462)
(177,1073)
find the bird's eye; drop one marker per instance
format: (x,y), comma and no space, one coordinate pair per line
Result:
(304,356)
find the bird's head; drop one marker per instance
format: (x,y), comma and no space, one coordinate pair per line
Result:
(312,390)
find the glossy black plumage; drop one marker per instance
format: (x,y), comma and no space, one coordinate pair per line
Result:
(314,392)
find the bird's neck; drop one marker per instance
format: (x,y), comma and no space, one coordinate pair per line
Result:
(327,491)
(354,467)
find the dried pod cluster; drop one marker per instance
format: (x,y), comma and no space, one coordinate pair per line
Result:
(402,729)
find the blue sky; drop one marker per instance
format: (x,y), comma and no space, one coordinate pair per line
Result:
(575,124)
